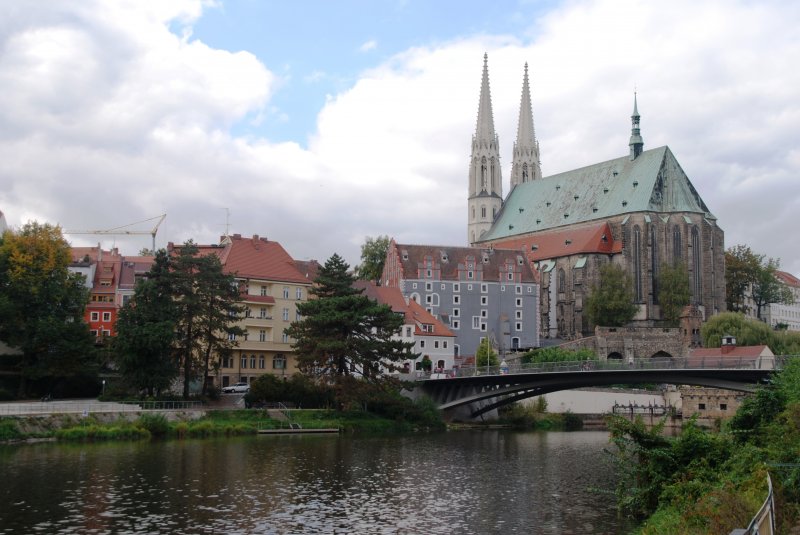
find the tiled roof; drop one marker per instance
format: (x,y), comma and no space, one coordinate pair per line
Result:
(715,356)
(591,238)
(309,268)
(788,278)
(413,312)
(447,258)
(653,182)
(132,266)
(422,316)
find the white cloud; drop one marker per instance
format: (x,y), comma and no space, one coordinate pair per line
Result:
(107,118)
(372,44)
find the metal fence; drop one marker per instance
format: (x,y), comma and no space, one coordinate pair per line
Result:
(38,408)
(763,522)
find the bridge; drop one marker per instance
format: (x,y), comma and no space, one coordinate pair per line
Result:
(474,391)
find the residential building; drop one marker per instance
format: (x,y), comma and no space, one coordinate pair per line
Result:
(475,292)
(785,315)
(639,211)
(431,338)
(271,285)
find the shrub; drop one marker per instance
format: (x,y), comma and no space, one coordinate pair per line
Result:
(156,424)
(8,429)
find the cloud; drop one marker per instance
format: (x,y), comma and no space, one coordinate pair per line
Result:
(109,117)
(369,45)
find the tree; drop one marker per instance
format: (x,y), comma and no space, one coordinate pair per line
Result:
(673,291)
(373,255)
(610,302)
(752,276)
(146,332)
(749,332)
(344,332)
(486,355)
(207,310)
(42,306)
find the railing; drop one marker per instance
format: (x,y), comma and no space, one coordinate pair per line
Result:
(763,522)
(634,408)
(85,407)
(689,363)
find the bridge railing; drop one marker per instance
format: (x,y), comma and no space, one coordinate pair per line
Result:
(715,362)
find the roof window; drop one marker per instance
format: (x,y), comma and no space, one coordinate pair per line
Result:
(624,203)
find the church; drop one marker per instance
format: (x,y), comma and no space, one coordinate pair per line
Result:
(638,211)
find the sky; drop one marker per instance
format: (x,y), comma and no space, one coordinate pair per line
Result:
(318,123)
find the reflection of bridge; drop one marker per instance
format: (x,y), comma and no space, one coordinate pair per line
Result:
(473,392)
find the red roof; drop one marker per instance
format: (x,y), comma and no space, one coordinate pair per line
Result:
(414,312)
(788,278)
(716,356)
(595,238)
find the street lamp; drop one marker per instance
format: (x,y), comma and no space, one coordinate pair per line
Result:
(104,388)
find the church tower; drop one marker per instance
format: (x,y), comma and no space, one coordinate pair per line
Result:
(526,165)
(485,181)
(636,143)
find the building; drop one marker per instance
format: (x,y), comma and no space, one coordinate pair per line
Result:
(781,315)
(271,285)
(432,340)
(638,211)
(475,292)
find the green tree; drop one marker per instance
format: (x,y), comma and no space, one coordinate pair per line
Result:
(343,331)
(207,302)
(373,256)
(673,291)
(557,354)
(42,306)
(752,276)
(485,354)
(146,332)
(610,302)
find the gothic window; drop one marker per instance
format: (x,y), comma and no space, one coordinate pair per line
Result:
(473,218)
(524,172)
(697,270)
(494,212)
(654,261)
(483,212)
(561,281)
(494,184)
(483,174)
(676,245)
(637,264)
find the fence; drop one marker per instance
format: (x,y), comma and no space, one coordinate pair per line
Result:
(37,408)
(763,522)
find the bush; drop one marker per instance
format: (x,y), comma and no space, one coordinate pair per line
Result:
(557,354)
(156,424)
(8,429)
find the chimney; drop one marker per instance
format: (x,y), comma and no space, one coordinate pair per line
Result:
(728,344)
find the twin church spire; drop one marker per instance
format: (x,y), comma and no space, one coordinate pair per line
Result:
(485,179)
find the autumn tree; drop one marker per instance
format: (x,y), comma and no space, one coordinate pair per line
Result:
(42,306)
(373,256)
(344,332)
(673,291)
(144,344)
(610,302)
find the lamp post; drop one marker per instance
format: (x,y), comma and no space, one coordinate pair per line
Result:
(104,388)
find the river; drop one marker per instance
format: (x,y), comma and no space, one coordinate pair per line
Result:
(483,482)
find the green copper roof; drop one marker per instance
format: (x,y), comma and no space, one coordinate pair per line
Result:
(653,182)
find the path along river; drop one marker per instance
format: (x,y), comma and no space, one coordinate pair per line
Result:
(481,482)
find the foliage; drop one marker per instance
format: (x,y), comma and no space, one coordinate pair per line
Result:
(673,291)
(557,354)
(42,305)
(749,275)
(156,424)
(373,255)
(146,332)
(486,355)
(344,332)
(755,413)
(8,429)
(299,390)
(610,302)
(749,332)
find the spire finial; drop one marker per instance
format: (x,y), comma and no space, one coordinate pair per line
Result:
(636,143)
(525,166)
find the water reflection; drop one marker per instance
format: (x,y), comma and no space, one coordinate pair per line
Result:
(457,482)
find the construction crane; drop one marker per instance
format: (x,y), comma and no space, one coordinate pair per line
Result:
(121,231)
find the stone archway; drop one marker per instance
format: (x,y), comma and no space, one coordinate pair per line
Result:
(614,356)
(661,355)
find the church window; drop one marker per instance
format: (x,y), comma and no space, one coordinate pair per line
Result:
(494,182)
(483,212)
(473,217)
(637,264)
(561,281)
(525,172)
(483,174)
(697,270)
(494,212)
(654,261)
(676,245)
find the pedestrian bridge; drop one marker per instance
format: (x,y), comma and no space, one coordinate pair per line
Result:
(472,392)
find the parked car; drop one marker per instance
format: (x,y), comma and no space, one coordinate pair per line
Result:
(238,387)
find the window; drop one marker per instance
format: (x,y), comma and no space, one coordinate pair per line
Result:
(428,286)
(518,326)
(561,281)
(105,282)
(285,338)
(677,253)
(701,406)
(484,314)
(428,299)
(502,287)
(408,332)
(510,275)
(476,322)
(723,406)
(247,312)
(456,312)
(483,327)
(422,343)
(436,344)
(654,262)
(232,336)
(518,314)
(263,290)
(484,288)
(530,289)
(637,264)
(95,316)
(298,293)
(262,335)
(126,299)
(93,332)
(470,275)
(244,363)
(297,315)
(456,287)
(279,362)
(253,361)
(286,292)
(469,287)
(263,313)
(285,314)
(484,300)
(456,299)
(414,285)
(106,316)
(518,289)
(697,270)
(442,287)
(262,363)
(456,324)
(519,301)
(428,273)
